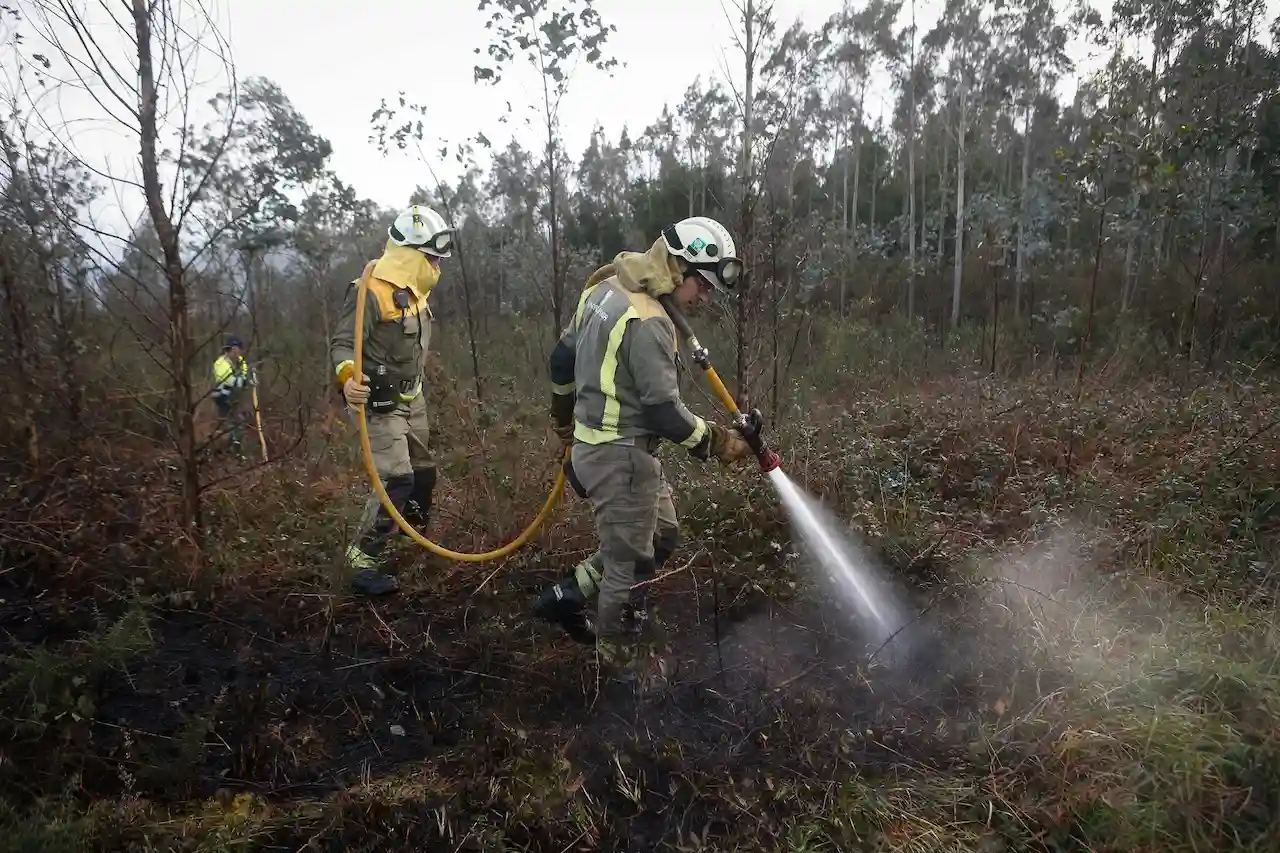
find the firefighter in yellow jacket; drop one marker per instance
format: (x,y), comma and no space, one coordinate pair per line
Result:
(397,334)
(231,375)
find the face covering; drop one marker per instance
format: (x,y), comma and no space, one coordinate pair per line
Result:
(405,266)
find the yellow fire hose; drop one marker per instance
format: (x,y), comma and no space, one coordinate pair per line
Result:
(768,459)
(749,427)
(557,490)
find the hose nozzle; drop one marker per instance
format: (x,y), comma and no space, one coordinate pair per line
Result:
(751,425)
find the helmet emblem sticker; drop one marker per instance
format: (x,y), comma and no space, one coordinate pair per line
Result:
(697,244)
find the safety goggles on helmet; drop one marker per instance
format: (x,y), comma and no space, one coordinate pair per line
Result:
(727,272)
(721,273)
(440,243)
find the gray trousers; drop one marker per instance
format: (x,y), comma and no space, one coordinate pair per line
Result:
(632,504)
(399,441)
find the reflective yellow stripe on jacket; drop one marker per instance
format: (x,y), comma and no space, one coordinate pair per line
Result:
(608,430)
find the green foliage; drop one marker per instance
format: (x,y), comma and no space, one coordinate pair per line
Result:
(267,150)
(547,35)
(58,687)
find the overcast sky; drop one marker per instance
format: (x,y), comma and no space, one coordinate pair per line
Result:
(340,58)
(336,59)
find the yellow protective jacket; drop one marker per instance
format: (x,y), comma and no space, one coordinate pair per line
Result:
(397,321)
(229,377)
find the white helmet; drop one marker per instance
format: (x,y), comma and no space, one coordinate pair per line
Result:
(423,229)
(706,246)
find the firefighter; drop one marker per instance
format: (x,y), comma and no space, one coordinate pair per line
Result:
(397,334)
(615,398)
(231,375)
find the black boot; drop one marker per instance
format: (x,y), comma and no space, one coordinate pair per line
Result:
(368,552)
(564,604)
(417,509)
(373,583)
(665,543)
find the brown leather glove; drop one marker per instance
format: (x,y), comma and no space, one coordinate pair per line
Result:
(728,445)
(565,433)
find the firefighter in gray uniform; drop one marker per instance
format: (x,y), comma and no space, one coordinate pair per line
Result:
(615,397)
(397,334)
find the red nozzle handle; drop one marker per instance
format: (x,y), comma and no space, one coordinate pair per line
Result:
(769,460)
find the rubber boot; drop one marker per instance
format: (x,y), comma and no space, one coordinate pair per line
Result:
(417,510)
(565,602)
(371,582)
(367,554)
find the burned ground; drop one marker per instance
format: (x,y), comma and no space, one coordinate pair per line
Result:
(264,708)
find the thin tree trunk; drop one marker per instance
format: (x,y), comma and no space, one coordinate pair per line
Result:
(179,319)
(958,270)
(875,186)
(466,296)
(557,275)
(911,173)
(995,312)
(1129,273)
(1021,272)
(19,323)
(747,217)
(774,299)
(1093,283)
(844,226)
(942,204)
(857,166)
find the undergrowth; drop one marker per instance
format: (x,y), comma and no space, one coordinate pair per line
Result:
(1092,667)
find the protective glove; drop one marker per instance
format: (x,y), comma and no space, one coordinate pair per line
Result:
(728,445)
(562,419)
(564,432)
(356,393)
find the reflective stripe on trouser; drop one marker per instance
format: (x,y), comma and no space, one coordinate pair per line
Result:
(399,441)
(632,504)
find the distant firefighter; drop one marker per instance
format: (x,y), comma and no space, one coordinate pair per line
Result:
(231,375)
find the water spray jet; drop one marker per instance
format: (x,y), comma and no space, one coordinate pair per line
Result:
(820,534)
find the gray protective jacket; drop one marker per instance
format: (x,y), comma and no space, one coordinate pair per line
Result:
(614,367)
